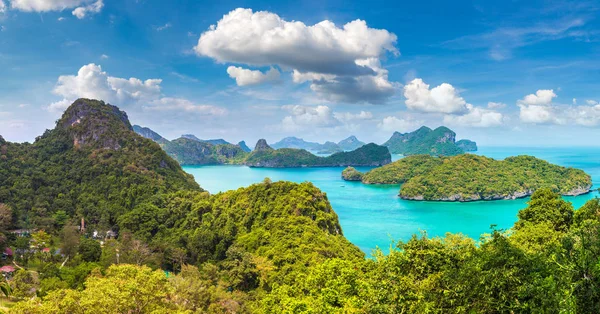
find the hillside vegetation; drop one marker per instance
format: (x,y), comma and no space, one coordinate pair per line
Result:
(471,177)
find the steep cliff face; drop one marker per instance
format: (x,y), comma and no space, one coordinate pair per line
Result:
(262,145)
(467,146)
(96,124)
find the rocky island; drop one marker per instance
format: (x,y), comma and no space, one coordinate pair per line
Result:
(438,142)
(467,177)
(266,156)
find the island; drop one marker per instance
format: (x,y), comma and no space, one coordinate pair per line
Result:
(469,177)
(266,156)
(438,142)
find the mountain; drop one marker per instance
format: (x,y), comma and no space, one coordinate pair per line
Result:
(265,156)
(438,142)
(329,148)
(92,165)
(294,142)
(218,141)
(192,152)
(467,146)
(351,143)
(244,147)
(148,133)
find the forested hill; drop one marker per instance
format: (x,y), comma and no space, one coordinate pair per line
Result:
(438,142)
(265,156)
(91,165)
(470,177)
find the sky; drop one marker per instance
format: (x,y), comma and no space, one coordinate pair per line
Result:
(502,73)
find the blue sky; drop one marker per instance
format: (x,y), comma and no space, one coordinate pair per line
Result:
(502,73)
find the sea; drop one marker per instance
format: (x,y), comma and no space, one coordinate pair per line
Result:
(373,216)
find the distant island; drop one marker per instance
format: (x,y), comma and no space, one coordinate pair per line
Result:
(348,144)
(438,142)
(266,156)
(190,150)
(470,177)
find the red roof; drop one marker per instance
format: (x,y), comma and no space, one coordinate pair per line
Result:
(7,269)
(46,250)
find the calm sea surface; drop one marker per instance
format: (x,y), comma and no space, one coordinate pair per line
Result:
(372,215)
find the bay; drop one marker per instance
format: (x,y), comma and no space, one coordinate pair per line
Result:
(373,215)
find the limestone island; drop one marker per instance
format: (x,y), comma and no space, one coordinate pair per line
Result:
(468,177)
(265,156)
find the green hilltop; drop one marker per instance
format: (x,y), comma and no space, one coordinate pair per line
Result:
(470,177)
(438,142)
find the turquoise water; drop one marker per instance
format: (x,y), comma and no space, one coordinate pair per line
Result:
(372,216)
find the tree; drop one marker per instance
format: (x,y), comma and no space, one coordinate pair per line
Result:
(5,217)
(90,250)
(547,206)
(124,289)
(40,240)
(69,238)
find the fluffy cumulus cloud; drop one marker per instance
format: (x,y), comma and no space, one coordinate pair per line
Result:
(538,108)
(2,6)
(393,124)
(440,99)
(476,117)
(81,7)
(308,116)
(92,82)
(245,77)
(342,63)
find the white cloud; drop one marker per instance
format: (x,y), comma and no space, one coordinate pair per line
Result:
(542,97)
(2,6)
(181,104)
(104,57)
(306,116)
(496,105)
(93,8)
(245,77)
(342,63)
(92,82)
(348,116)
(585,115)
(475,117)
(60,19)
(393,124)
(591,102)
(50,5)
(538,109)
(442,99)
(163,27)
